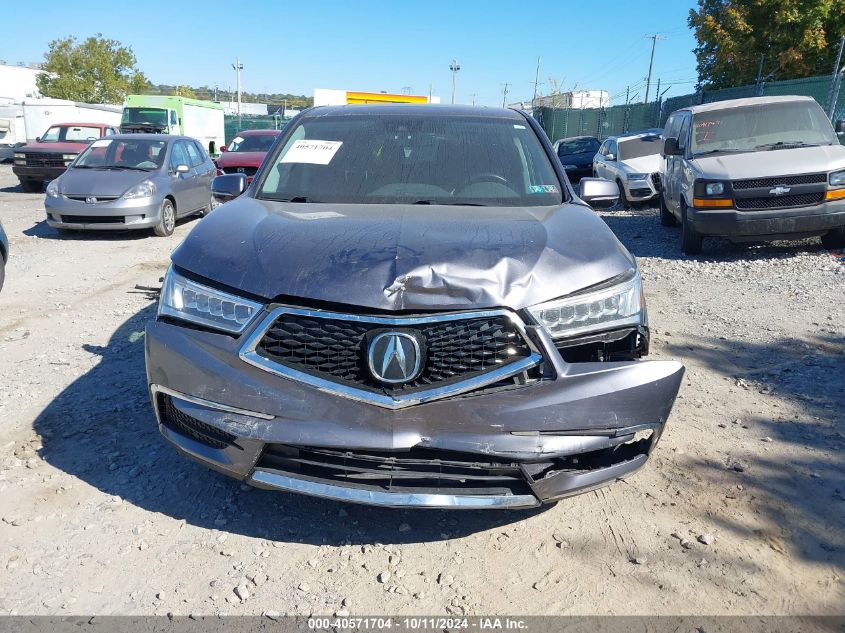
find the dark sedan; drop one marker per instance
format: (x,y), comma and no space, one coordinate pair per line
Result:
(409,306)
(576,155)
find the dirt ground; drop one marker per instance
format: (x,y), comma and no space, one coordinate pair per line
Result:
(740,511)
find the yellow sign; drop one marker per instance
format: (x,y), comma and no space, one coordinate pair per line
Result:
(383,97)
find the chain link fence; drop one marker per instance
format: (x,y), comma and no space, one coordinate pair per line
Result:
(633,117)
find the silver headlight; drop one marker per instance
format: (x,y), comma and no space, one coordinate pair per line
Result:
(53,189)
(184,299)
(637,176)
(618,303)
(141,190)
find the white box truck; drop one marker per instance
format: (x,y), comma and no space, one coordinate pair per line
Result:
(159,114)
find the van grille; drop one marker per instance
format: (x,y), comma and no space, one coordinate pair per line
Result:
(761,183)
(780,202)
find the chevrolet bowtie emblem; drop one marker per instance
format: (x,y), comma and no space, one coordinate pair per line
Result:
(779,190)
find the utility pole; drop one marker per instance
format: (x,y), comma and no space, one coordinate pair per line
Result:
(657,101)
(505,87)
(473,95)
(238,66)
(454,67)
(758,92)
(536,82)
(653,39)
(835,81)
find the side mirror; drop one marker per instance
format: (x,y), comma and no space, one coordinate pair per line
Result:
(598,192)
(610,157)
(37,139)
(223,149)
(840,127)
(182,169)
(228,187)
(670,147)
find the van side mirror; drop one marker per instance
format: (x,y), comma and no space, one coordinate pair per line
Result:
(840,127)
(598,192)
(228,187)
(670,147)
(182,169)
(611,157)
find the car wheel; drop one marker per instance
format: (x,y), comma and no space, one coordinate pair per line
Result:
(666,217)
(32,186)
(167,219)
(2,272)
(834,239)
(207,208)
(691,240)
(623,199)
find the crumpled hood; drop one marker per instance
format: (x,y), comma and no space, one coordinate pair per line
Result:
(241,159)
(643,164)
(801,160)
(100,182)
(64,148)
(398,257)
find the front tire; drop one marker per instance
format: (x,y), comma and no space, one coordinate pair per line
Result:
(623,199)
(666,217)
(834,239)
(31,186)
(167,219)
(691,240)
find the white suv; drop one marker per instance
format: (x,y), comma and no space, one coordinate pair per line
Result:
(633,162)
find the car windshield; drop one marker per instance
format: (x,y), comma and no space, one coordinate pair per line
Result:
(154,116)
(123,154)
(639,147)
(71,133)
(577,146)
(413,159)
(761,127)
(252,143)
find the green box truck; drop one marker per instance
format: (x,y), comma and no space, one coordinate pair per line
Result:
(158,114)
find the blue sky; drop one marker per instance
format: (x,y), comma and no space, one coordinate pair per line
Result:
(380,45)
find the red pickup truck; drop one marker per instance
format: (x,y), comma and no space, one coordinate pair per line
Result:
(246,152)
(50,155)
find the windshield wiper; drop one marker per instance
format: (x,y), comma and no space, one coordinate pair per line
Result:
(451,204)
(304,199)
(785,144)
(120,167)
(723,150)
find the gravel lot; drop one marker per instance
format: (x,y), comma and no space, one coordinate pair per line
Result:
(740,511)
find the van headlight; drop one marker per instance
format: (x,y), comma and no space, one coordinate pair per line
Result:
(617,302)
(190,301)
(837,178)
(141,190)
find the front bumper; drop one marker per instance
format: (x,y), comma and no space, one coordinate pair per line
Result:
(640,190)
(111,215)
(37,173)
(733,223)
(532,444)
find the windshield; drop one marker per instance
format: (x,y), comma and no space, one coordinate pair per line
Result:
(154,116)
(577,146)
(639,147)
(407,159)
(122,154)
(252,143)
(762,126)
(72,133)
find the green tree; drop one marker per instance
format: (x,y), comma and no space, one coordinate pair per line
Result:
(98,70)
(185,91)
(796,38)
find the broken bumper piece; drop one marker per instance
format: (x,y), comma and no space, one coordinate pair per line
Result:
(514,448)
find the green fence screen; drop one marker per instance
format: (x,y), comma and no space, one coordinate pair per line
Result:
(603,122)
(233,125)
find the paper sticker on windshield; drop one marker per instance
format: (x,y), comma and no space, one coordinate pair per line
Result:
(543,189)
(518,127)
(103,142)
(311,151)
(238,139)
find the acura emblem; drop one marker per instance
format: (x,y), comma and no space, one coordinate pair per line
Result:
(90,200)
(779,190)
(394,357)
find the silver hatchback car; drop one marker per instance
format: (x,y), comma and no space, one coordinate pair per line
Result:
(132,181)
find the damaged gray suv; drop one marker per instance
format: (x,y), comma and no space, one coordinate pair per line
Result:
(409,306)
